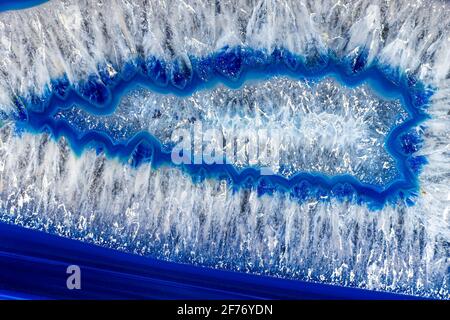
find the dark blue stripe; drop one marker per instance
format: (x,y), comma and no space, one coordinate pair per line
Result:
(33,266)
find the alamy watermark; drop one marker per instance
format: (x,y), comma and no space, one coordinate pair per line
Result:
(74,279)
(244,148)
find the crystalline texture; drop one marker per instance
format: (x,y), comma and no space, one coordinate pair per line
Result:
(324,127)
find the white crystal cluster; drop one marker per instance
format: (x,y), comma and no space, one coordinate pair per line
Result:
(72,37)
(163,213)
(313,126)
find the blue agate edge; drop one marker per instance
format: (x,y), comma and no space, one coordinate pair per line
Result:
(100,94)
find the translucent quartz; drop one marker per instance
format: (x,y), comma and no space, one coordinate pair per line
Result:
(315,126)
